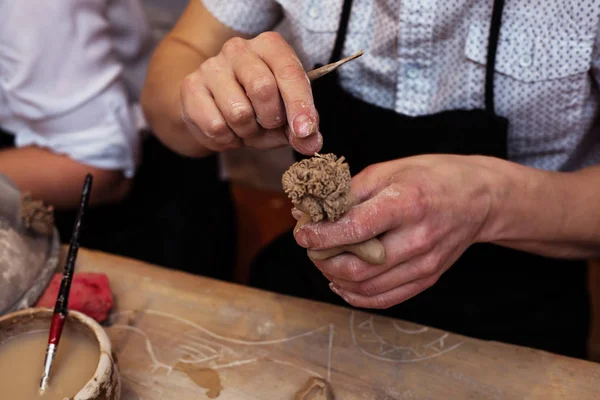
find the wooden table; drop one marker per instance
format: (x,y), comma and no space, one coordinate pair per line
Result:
(179,336)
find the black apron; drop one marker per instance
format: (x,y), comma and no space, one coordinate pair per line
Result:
(491,292)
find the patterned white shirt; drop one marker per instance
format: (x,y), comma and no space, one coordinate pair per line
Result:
(427,56)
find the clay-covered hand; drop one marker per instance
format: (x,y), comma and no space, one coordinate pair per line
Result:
(426,210)
(370,251)
(254,93)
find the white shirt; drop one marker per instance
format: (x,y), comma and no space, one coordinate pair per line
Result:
(427,56)
(70,75)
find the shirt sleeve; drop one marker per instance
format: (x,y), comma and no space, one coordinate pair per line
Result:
(62,83)
(246,16)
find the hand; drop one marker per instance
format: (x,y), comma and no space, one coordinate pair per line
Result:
(253,93)
(426,210)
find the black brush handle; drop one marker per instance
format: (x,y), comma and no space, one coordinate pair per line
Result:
(62,301)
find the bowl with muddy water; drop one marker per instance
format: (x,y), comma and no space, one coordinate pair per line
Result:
(84,367)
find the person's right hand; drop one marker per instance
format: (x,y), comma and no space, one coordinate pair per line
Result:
(253,93)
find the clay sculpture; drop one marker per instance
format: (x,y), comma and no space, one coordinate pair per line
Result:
(319,187)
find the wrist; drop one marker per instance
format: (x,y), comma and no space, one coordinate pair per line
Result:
(508,189)
(529,204)
(544,212)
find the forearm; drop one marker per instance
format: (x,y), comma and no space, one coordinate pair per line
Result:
(196,36)
(57,179)
(172,61)
(553,214)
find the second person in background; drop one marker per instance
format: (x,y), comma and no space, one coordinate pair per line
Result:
(71,73)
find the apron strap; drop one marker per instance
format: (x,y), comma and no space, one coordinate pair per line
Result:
(491,56)
(341,33)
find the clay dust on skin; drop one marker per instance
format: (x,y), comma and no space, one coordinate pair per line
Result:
(371,210)
(320,188)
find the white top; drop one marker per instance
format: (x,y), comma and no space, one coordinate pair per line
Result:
(427,56)
(70,75)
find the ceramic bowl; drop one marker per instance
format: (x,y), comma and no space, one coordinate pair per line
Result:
(105,384)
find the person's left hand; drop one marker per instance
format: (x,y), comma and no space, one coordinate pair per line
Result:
(426,210)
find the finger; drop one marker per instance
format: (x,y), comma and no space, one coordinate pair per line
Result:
(230,98)
(401,246)
(319,255)
(348,267)
(367,183)
(387,299)
(258,82)
(399,275)
(360,223)
(372,252)
(291,80)
(211,144)
(329,277)
(268,139)
(391,207)
(294,88)
(297,214)
(202,116)
(308,146)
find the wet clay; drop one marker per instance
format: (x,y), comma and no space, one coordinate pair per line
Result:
(315,389)
(206,378)
(319,187)
(36,215)
(22,359)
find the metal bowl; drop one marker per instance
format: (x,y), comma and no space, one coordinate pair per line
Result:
(28,259)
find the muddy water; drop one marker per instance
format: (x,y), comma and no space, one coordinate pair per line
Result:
(22,359)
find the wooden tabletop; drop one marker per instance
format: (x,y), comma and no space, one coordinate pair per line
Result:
(179,336)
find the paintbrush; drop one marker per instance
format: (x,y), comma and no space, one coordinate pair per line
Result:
(324,70)
(62,301)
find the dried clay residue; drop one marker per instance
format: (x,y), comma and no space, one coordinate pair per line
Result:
(36,215)
(206,378)
(315,389)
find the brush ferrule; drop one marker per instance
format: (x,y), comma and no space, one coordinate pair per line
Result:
(50,353)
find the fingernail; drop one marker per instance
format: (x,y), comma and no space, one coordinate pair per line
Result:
(337,290)
(297,214)
(334,288)
(304,126)
(301,237)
